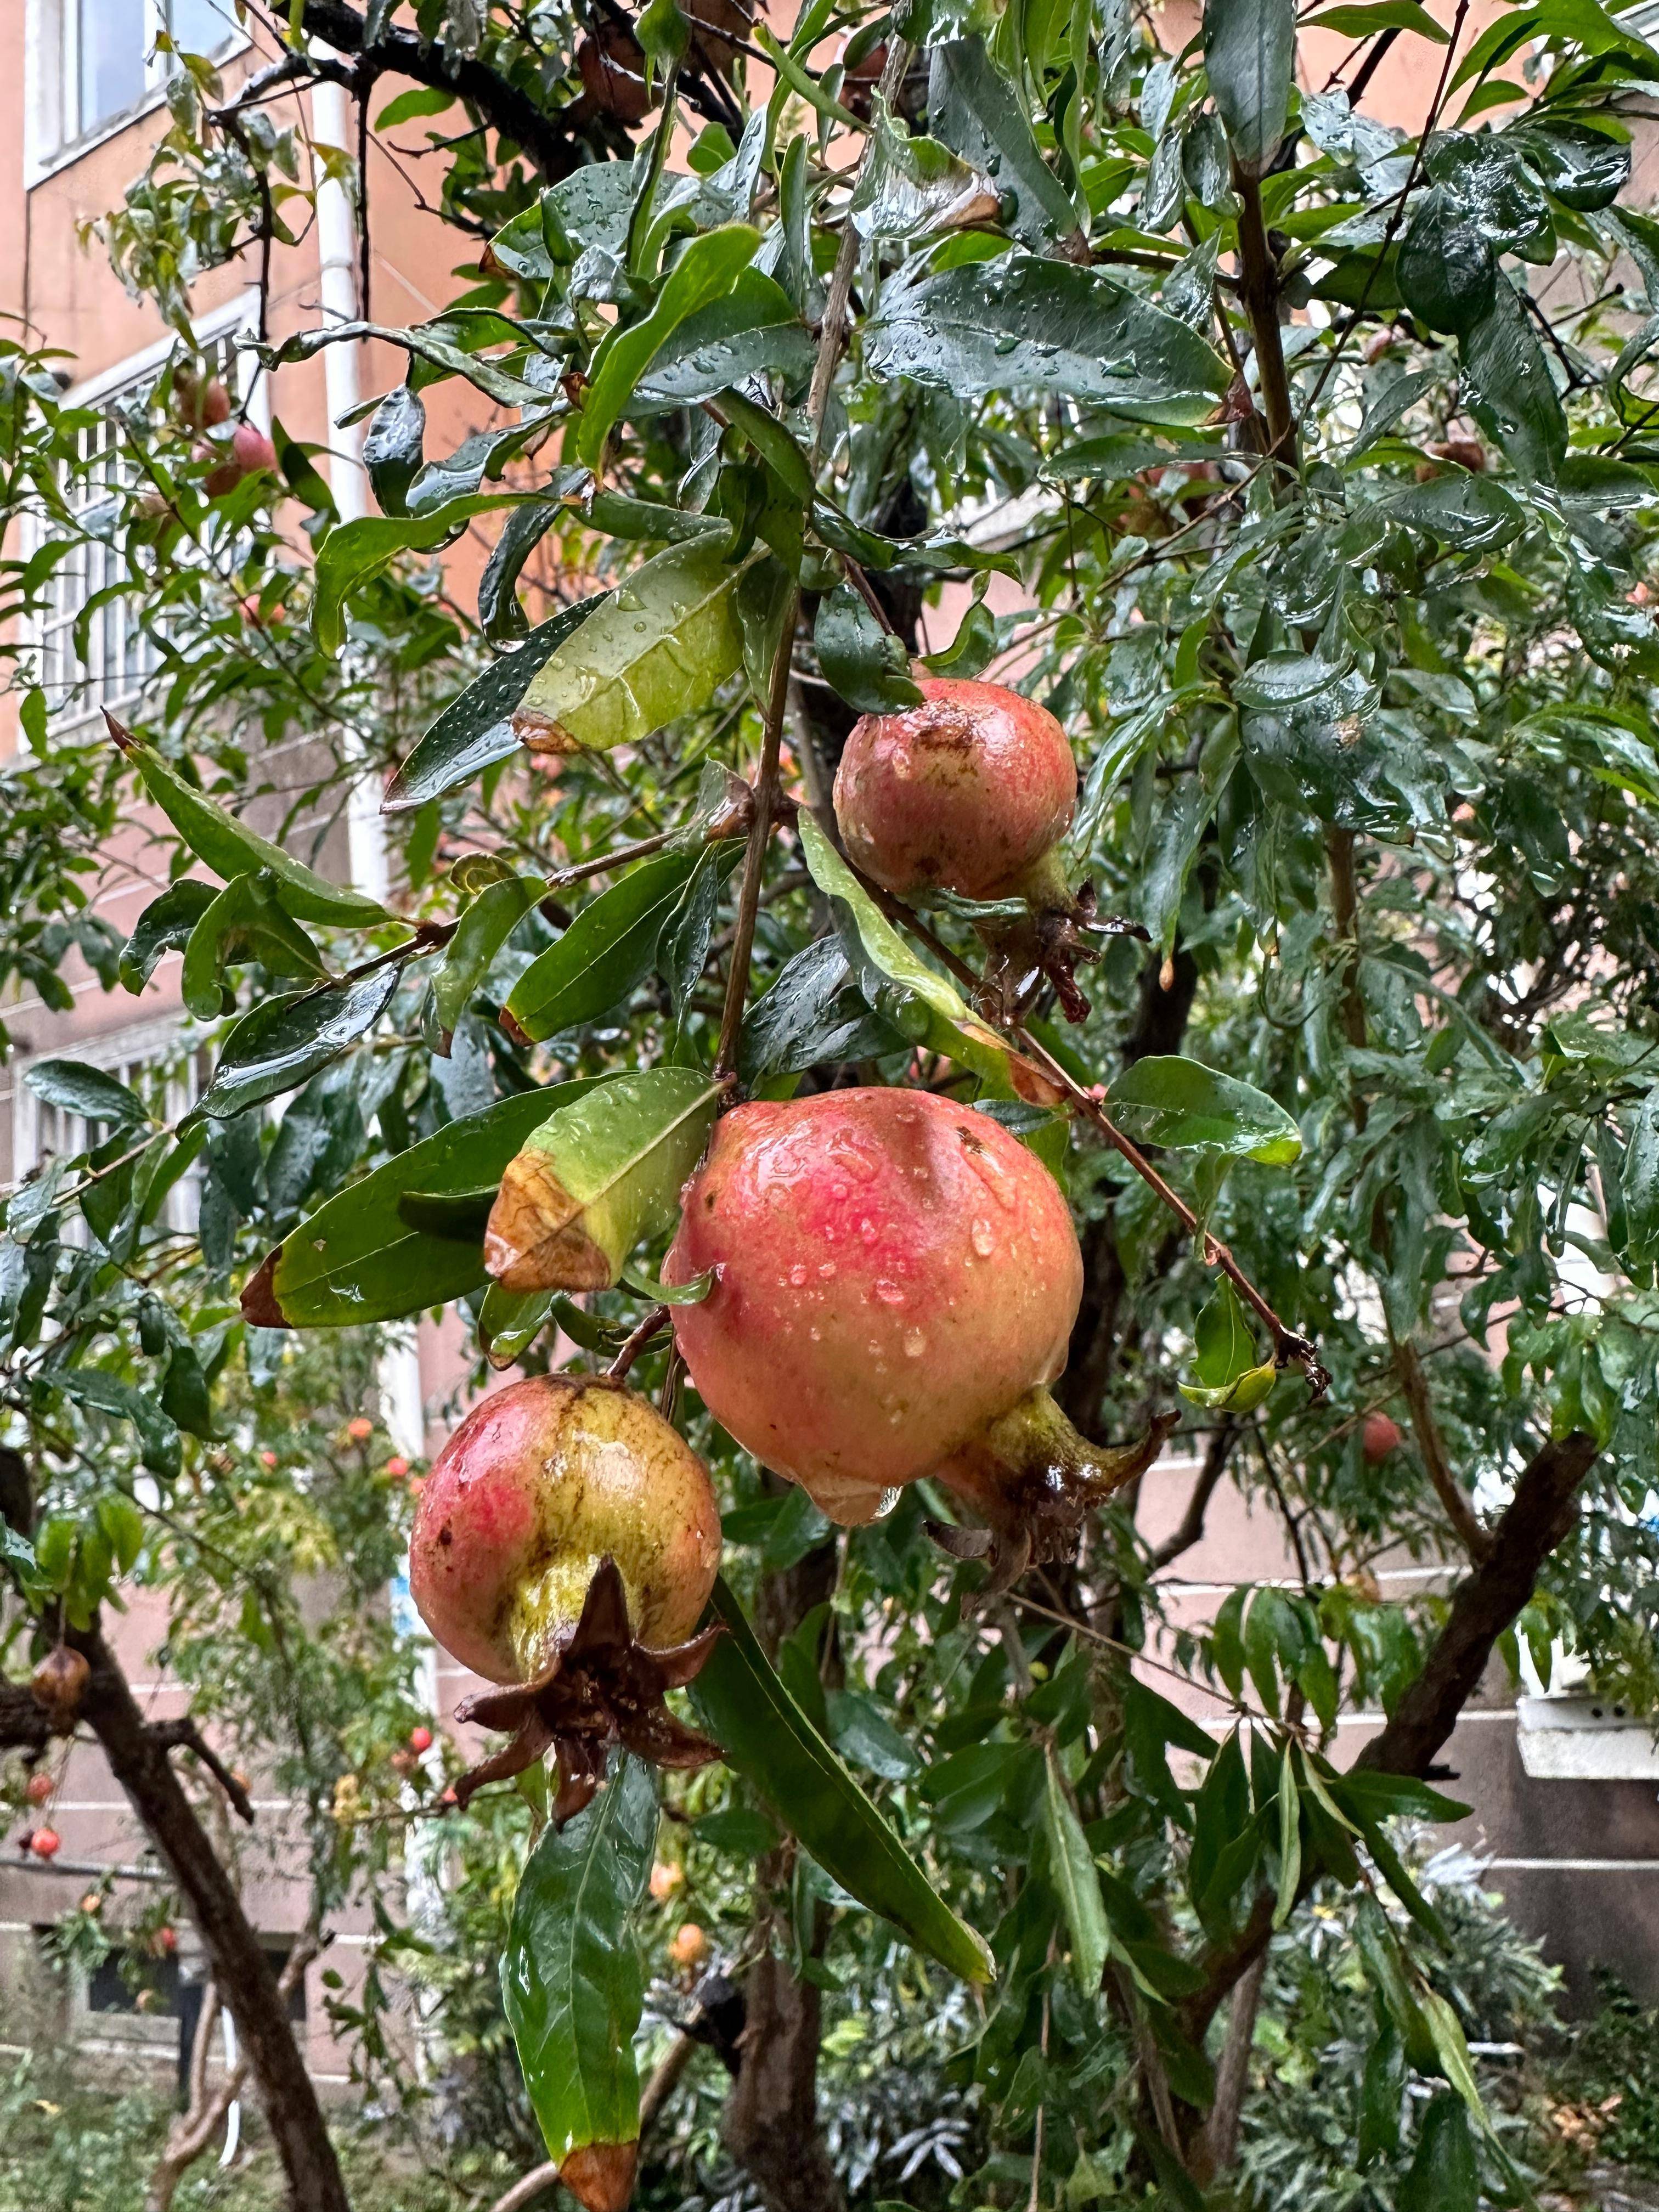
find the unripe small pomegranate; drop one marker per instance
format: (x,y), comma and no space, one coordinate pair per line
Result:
(895,1279)
(58,1684)
(252,449)
(972,793)
(39,1789)
(92,1902)
(420,1739)
(566,1542)
(396,1468)
(688,1946)
(1379,1437)
(46,1842)
(167,1942)
(666,1878)
(361,1430)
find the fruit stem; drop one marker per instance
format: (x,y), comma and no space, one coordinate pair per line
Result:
(1032,1477)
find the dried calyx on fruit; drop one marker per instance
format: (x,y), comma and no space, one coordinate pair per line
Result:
(894,1281)
(971,792)
(565,1544)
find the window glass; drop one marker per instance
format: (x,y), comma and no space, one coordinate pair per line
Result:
(200,27)
(112,54)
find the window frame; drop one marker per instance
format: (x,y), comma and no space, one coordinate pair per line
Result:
(237,321)
(50,58)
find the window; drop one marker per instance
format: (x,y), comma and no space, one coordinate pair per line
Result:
(95,61)
(90,651)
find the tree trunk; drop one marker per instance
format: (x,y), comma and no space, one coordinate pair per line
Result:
(771,2125)
(240,1968)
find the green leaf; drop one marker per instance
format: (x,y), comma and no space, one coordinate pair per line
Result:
(1025,324)
(1071,1870)
(1638,1185)
(483,929)
(1365,18)
(607,949)
(911,186)
(476,729)
(862,1732)
(230,848)
(508,1325)
(657,647)
(1583,167)
(865,662)
(1470,513)
(1290,1840)
(394,448)
(75,1088)
(572,1983)
(974,109)
(752,329)
(355,553)
(1508,389)
(358,1259)
(1381,2091)
(419,100)
(1169,1100)
(1446,269)
(158,1443)
(1453,2052)
(499,612)
(1443,2177)
(918,1002)
(596,1177)
(691,1293)
(707,269)
(771,1743)
(1249,54)
(283,1040)
(164,926)
(814,1011)
(245,922)
(1229,1375)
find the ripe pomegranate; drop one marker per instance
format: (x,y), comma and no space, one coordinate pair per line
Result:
(251,454)
(39,1789)
(202,406)
(361,1430)
(972,791)
(566,1543)
(46,1842)
(167,1942)
(58,1684)
(896,1277)
(420,1739)
(1379,1437)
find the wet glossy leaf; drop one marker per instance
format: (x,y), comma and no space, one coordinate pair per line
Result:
(1290,1840)
(481,933)
(475,730)
(355,553)
(1446,269)
(245,922)
(910,186)
(771,1743)
(1469,511)
(1170,1100)
(1022,324)
(1638,1185)
(393,447)
(283,1040)
(508,1325)
(357,1259)
(1444,2177)
(1381,2091)
(865,662)
(1226,1370)
(1249,53)
(707,270)
(750,329)
(164,926)
(814,1011)
(657,647)
(1583,167)
(1364,19)
(75,1088)
(1508,389)
(1076,1884)
(974,109)
(571,1983)
(230,848)
(598,1176)
(862,1732)
(159,1443)
(608,949)
(499,612)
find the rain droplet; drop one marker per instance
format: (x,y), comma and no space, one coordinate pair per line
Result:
(890,1293)
(914,1344)
(983,1238)
(826,1268)
(867,1230)
(797,1275)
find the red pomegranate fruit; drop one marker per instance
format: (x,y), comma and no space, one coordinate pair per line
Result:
(1378,1438)
(58,1684)
(896,1277)
(39,1789)
(972,793)
(566,1543)
(46,1842)
(420,1739)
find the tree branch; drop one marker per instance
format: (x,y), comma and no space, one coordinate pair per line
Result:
(1259,291)
(1539,1515)
(23,1723)
(137,1756)
(185,1735)
(1217,1453)
(1408,1366)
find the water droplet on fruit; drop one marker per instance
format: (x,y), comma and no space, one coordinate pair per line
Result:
(815,1333)
(914,1344)
(797,1275)
(890,1293)
(982,1237)
(826,1268)
(867,1230)
(838,1190)
(996,1177)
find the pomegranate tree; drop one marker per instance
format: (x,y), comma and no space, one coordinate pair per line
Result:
(972,793)
(566,1543)
(894,1281)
